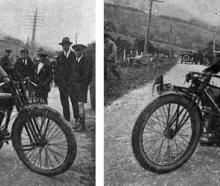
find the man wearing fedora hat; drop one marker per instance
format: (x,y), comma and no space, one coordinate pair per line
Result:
(24,66)
(6,62)
(65,75)
(84,70)
(43,76)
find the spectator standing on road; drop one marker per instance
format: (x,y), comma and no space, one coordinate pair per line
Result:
(65,75)
(84,76)
(6,62)
(110,54)
(43,76)
(24,66)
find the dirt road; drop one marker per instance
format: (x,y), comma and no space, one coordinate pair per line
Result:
(82,172)
(121,167)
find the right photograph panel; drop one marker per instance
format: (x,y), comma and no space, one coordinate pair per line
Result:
(162,92)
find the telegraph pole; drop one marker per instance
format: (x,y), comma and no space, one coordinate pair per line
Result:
(36,22)
(214,42)
(76,38)
(34,28)
(147,37)
(171,39)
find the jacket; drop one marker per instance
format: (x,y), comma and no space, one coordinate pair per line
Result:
(65,69)
(23,70)
(84,71)
(44,78)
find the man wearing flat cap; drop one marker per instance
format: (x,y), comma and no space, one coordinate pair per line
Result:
(81,84)
(24,66)
(43,76)
(65,75)
(6,62)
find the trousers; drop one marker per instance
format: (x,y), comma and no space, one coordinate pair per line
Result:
(65,94)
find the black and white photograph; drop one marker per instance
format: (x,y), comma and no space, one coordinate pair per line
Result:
(47,92)
(161,92)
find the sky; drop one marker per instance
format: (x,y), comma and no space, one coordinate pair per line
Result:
(57,19)
(208,10)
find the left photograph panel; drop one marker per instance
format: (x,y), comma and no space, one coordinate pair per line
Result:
(47,92)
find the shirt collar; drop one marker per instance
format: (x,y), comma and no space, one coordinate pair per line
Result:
(25,61)
(66,53)
(78,59)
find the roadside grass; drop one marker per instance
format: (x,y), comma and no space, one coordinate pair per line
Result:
(132,78)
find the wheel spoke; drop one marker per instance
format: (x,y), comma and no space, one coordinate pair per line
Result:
(47,127)
(158,152)
(151,146)
(58,146)
(153,130)
(56,154)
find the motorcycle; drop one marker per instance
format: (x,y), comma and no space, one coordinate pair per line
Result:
(41,137)
(167,132)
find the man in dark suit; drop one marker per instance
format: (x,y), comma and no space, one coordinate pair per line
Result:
(24,66)
(6,62)
(43,76)
(83,72)
(65,75)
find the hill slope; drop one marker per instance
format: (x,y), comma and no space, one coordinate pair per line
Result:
(132,21)
(166,9)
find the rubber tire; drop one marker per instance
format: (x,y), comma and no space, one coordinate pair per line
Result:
(71,141)
(1,145)
(140,125)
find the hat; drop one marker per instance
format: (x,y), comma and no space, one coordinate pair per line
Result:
(79,47)
(66,40)
(8,50)
(41,52)
(24,50)
(107,36)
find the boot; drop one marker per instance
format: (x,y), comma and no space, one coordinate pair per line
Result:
(82,126)
(209,139)
(77,124)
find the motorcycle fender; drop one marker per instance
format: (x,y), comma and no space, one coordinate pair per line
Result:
(30,109)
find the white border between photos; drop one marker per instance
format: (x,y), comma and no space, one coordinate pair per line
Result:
(99,93)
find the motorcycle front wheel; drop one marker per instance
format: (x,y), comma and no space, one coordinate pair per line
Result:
(44,142)
(166,133)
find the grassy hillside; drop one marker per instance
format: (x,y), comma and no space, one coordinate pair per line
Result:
(132,22)
(160,8)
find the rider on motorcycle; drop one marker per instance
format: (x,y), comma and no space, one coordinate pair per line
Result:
(210,138)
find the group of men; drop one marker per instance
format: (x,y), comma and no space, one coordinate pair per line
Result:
(72,74)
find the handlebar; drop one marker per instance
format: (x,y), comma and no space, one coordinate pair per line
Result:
(199,75)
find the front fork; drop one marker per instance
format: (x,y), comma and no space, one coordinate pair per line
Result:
(176,123)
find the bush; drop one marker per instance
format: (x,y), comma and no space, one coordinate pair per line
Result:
(133,78)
